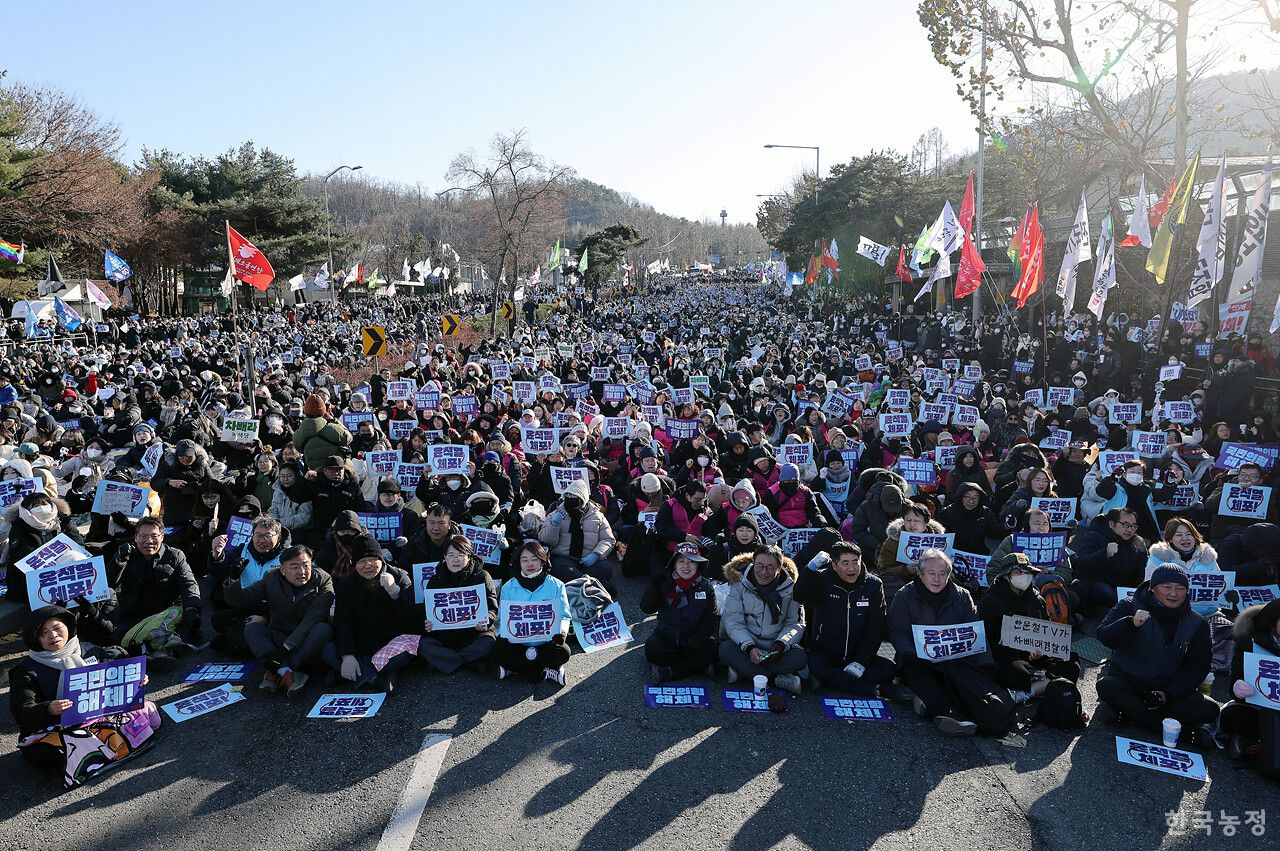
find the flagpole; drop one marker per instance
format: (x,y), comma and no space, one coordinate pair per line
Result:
(982,145)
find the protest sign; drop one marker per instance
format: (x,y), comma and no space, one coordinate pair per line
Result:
(408,475)
(428,398)
(13,490)
(608,629)
(1023,367)
(648,517)
(60,584)
(456,608)
(945,456)
(529,621)
(1171,372)
(239,531)
(918,471)
(382,462)
(1257,595)
(1240,501)
(120,498)
(1183,413)
(748,701)
(1036,636)
(794,540)
(897,399)
(676,697)
(615,393)
(1183,497)
(202,703)
(400,429)
(1034,396)
(1232,455)
(1043,549)
(352,419)
(615,428)
(219,672)
(486,542)
(1207,589)
(1056,440)
(856,709)
(151,459)
(239,431)
(800,454)
(971,566)
(447,458)
(562,477)
(1149,444)
(422,572)
(538,441)
(896,425)
(1262,671)
(973,372)
(1061,396)
(56,550)
(953,641)
(385,526)
(912,544)
(1061,510)
(862,363)
(1159,758)
(1110,460)
(771,530)
(966,416)
(347,705)
(1123,413)
(935,412)
(682,429)
(106,688)
(465,406)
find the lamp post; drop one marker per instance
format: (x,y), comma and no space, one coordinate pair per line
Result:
(328,233)
(817,164)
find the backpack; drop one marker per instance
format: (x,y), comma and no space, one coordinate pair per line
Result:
(587,598)
(1222,637)
(1061,706)
(1057,599)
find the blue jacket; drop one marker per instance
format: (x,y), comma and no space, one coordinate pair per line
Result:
(550,589)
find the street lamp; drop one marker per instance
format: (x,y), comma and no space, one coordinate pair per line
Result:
(328,233)
(817,163)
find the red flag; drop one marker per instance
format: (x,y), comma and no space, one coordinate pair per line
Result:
(829,259)
(903,271)
(971,269)
(1031,255)
(252,265)
(1162,206)
(811,274)
(966,208)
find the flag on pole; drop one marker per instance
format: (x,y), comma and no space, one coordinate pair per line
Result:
(1211,244)
(903,272)
(1031,258)
(1015,245)
(1140,221)
(297,282)
(582,262)
(554,262)
(920,252)
(9,251)
(1248,269)
(944,236)
(250,264)
(873,250)
(1104,271)
(1162,242)
(374,281)
(971,268)
(404,270)
(355,275)
(322,277)
(116,269)
(967,208)
(96,295)
(1078,249)
(1157,214)
(66,314)
(831,255)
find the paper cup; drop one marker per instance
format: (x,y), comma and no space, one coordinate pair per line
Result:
(1172,728)
(761,684)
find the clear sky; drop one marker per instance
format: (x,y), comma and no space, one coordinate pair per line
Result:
(669,100)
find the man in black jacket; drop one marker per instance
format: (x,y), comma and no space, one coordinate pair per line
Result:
(1109,554)
(151,577)
(845,608)
(335,490)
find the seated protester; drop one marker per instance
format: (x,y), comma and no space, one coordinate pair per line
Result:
(1109,554)
(764,468)
(1022,455)
(743,539)
(451,490)
(247,563)
(82,751)
(967,515)
(1222,525)
(1254,732)
(683,642)
(1183,545)
(1128,487)
(1171,476)
(291,500)
(961,696)
(680,520)
(762,622)
(968,470)
(447,650)
(795,506)
(296,597)
(260,481)
(869,525)
(1037,522)
(376,621)
(533,582)
(496,477)
(580,540)
(809,470)
(33,521)
(159,600)
(337,554)
(1160,654)
(741,498)
(895,574)
(390,500)
(333,490)
(1032,482)
(835,484)
(428,545)
(846,620)
(482,511)
(1011,591)
(178,479)
(1070,470)
(1253,553)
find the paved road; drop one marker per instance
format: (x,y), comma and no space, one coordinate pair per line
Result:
(589,767)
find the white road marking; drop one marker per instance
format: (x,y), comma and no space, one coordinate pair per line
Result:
(422,780)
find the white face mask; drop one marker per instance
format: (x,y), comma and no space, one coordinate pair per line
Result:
(93,453)
(703,460)
(1133,478)
(43,513)
(453,484)
(1020,581)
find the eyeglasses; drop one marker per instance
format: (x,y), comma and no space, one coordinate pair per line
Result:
(1125,524)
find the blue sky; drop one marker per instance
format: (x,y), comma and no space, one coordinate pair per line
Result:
(670,101)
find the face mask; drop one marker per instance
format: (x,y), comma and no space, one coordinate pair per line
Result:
(1020,581)
(93,453)
(453,484)
(43,513)
(703,460)
(1133,478)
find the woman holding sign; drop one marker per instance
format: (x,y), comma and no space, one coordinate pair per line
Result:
(447,650)
(534,582)
(33,521)
(1254,731)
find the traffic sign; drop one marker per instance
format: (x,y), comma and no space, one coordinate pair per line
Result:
(374,340)
(449,325)
(508,309)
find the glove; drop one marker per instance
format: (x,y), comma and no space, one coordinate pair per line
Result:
(855,670)
(1243,690)
(590,559)
(389,585)
(86,611)
(350,668)
(190,626)
(237,566)
(819,561)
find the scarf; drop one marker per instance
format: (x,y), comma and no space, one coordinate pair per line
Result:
(678,593)
(935,599)
(532,583)
(342,564)
(31,521)
(769,594)
(70,656)
(575,531)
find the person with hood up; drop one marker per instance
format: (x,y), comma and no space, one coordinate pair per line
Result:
(1253,732)
(376,620)
(533,582)
(683,642)
(742,498)
(1253,553)
(961,695)
(895,574)
(733,456)
(763,467)
(80,751)
(579,538)
(847,620)
(447,650)
(33,521)
(762,622)
(178,479)
(883,495)
(346,535)
(319,436)
(1160,654)
(291,500)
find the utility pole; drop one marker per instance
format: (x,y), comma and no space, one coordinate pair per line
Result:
(1183,10)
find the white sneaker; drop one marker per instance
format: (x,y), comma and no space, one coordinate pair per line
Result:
(1020,696)
(556,675)
(502,673)
(790,682)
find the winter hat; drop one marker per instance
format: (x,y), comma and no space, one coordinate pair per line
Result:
(650,483)
(689,551)
(365,547)
(891,499)
(37,619)
(747,520)
(646,452)
(185,447)
(486,457)
(333,462)
(137,430)
(1008,563)
(833,456)
(30,450)
(313,407)
(1169,572)
(788,473)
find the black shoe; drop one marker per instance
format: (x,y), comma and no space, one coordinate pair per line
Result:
(1235,748)
(895,691)
(1200,736)
(1107,715)
(385,682)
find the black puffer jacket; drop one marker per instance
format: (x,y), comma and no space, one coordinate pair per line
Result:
(847,622)
(365,617)
(1126,569)
(693,619)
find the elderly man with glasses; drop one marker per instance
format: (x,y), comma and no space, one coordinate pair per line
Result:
(1110,554)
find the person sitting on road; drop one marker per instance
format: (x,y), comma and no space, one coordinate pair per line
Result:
(960,695)
(895,574)
(159,600)
(1160,654)
(683,642)
(296,597)
(1109,555)
(762,622)
(534,582)
(1253,732)
(447,650)
(580,540)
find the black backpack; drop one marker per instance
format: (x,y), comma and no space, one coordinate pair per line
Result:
(1061,706)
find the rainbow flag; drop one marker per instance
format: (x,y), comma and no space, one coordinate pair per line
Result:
(9,251)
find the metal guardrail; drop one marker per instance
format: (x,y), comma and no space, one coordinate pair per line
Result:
(77,339)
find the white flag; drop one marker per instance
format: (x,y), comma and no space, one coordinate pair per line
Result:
(1104,273)
(941,270)
(96,295)
(322,277)
(945,236)
(872,250)
(1140,221)
(1078,249)
(297,282)
(1244,280)
(404,270)
(1211,245)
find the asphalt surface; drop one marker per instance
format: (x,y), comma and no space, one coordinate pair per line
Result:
(589,766)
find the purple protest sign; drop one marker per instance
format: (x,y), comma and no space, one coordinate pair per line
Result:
(856,709)
(107,688)
(748,701)
(676,697)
